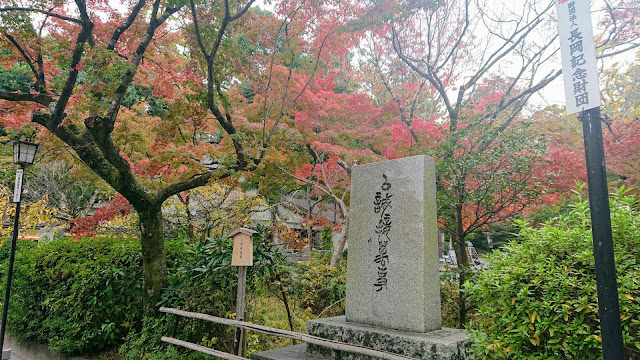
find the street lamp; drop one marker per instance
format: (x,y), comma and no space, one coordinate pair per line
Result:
(23,154)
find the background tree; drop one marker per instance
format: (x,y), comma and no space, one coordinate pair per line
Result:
(83,65)
(211,211)
(66,192)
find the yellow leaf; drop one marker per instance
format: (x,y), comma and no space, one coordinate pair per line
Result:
(629,297)
(598,338)
(533,317)
(513,301)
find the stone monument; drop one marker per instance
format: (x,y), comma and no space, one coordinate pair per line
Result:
(393,280)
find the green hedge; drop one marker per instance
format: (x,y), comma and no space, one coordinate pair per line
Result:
(539,298)
(78,297)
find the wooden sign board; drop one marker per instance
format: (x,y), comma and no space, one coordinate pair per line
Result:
(242,248)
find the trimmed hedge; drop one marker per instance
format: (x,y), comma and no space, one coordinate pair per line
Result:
(539,298)
(78,297)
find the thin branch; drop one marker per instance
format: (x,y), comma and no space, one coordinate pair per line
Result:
(615,24)
(24,54)
(124,26)
(131,71)
(283,112)
(48,13)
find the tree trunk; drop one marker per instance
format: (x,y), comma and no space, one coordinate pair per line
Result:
(309,220)
(153,259)
(463,264)
(339,248)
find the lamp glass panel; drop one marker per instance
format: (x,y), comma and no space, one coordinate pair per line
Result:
(16,152)
(31,152)
(24,153)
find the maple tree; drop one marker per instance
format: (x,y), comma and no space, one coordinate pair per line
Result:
(337,128)
(622,113)
(473,89)
(87,60)
(565,163)
(321,176)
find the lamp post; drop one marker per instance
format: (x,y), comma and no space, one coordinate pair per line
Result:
(23,154)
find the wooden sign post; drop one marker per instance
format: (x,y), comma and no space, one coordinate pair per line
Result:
(242,257)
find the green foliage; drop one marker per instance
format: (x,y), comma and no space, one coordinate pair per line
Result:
(320,286)
(146,344)
(539,298)
(18,78)
(139,93)
(207,283)
(326,238)
(449,296)
(77,296)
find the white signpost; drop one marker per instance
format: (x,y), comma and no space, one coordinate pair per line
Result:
(17,189)
(582,93)
(581,87)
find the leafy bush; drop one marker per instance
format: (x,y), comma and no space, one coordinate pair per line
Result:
(146,343)
(449,295)
(78,296)
(320,286)
(207,283)
(539,298)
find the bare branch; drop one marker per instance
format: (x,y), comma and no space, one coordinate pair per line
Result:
(196,27)
(24,54)
(176,188)
(83,36)
(48,13)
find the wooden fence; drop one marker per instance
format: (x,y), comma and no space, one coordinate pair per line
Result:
(330,344)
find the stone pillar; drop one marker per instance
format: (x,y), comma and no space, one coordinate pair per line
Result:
(393,279)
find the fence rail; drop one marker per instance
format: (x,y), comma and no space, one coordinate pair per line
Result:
(330,344)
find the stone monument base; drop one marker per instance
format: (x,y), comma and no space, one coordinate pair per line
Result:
(445,344)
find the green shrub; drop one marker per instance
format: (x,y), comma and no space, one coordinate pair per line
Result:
(207,283)
(449,295)
(539,299)
(319,286)
(78,297)
(146,344)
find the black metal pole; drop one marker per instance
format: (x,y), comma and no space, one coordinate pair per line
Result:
(5,304)
(609,308)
